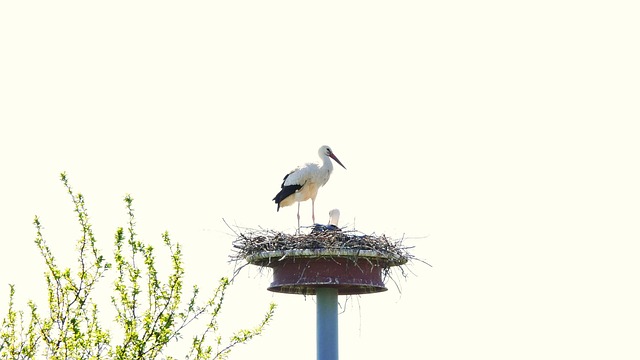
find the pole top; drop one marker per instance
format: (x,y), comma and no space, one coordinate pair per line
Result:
(349,271)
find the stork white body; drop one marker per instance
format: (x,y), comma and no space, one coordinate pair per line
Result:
(303,183)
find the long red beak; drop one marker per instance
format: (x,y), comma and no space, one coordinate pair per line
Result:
(336,159)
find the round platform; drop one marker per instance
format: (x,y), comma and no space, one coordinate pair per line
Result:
(350,271)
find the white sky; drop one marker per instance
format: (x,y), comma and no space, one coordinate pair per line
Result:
(500,139)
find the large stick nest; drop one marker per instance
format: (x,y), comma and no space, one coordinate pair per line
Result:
(251,242)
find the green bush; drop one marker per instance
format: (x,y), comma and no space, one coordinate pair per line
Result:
(150,311)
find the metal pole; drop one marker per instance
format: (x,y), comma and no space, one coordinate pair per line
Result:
(327,323)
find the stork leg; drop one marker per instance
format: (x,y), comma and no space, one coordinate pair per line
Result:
(298,216)
(313,211)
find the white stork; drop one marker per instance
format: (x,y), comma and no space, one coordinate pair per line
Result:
(334,217)
(303,183)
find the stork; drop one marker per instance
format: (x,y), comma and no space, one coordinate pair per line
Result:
(303,183)
(334,217)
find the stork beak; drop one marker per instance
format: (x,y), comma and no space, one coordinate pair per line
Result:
(331,155)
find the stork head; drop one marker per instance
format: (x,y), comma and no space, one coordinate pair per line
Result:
(326,151)
(334,217)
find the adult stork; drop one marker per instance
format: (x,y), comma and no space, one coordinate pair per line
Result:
(303,183)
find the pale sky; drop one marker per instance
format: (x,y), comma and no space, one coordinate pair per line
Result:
(498,138)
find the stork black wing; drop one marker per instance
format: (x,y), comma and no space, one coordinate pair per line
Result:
(285,192)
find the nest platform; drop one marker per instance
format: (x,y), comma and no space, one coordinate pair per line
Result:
(349,262)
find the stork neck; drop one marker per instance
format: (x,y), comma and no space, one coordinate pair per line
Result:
(327,164)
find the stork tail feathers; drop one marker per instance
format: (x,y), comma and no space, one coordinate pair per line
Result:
(286,191)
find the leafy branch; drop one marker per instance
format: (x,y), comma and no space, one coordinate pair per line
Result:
(150,311)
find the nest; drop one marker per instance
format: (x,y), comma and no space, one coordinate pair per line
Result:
(255,242)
